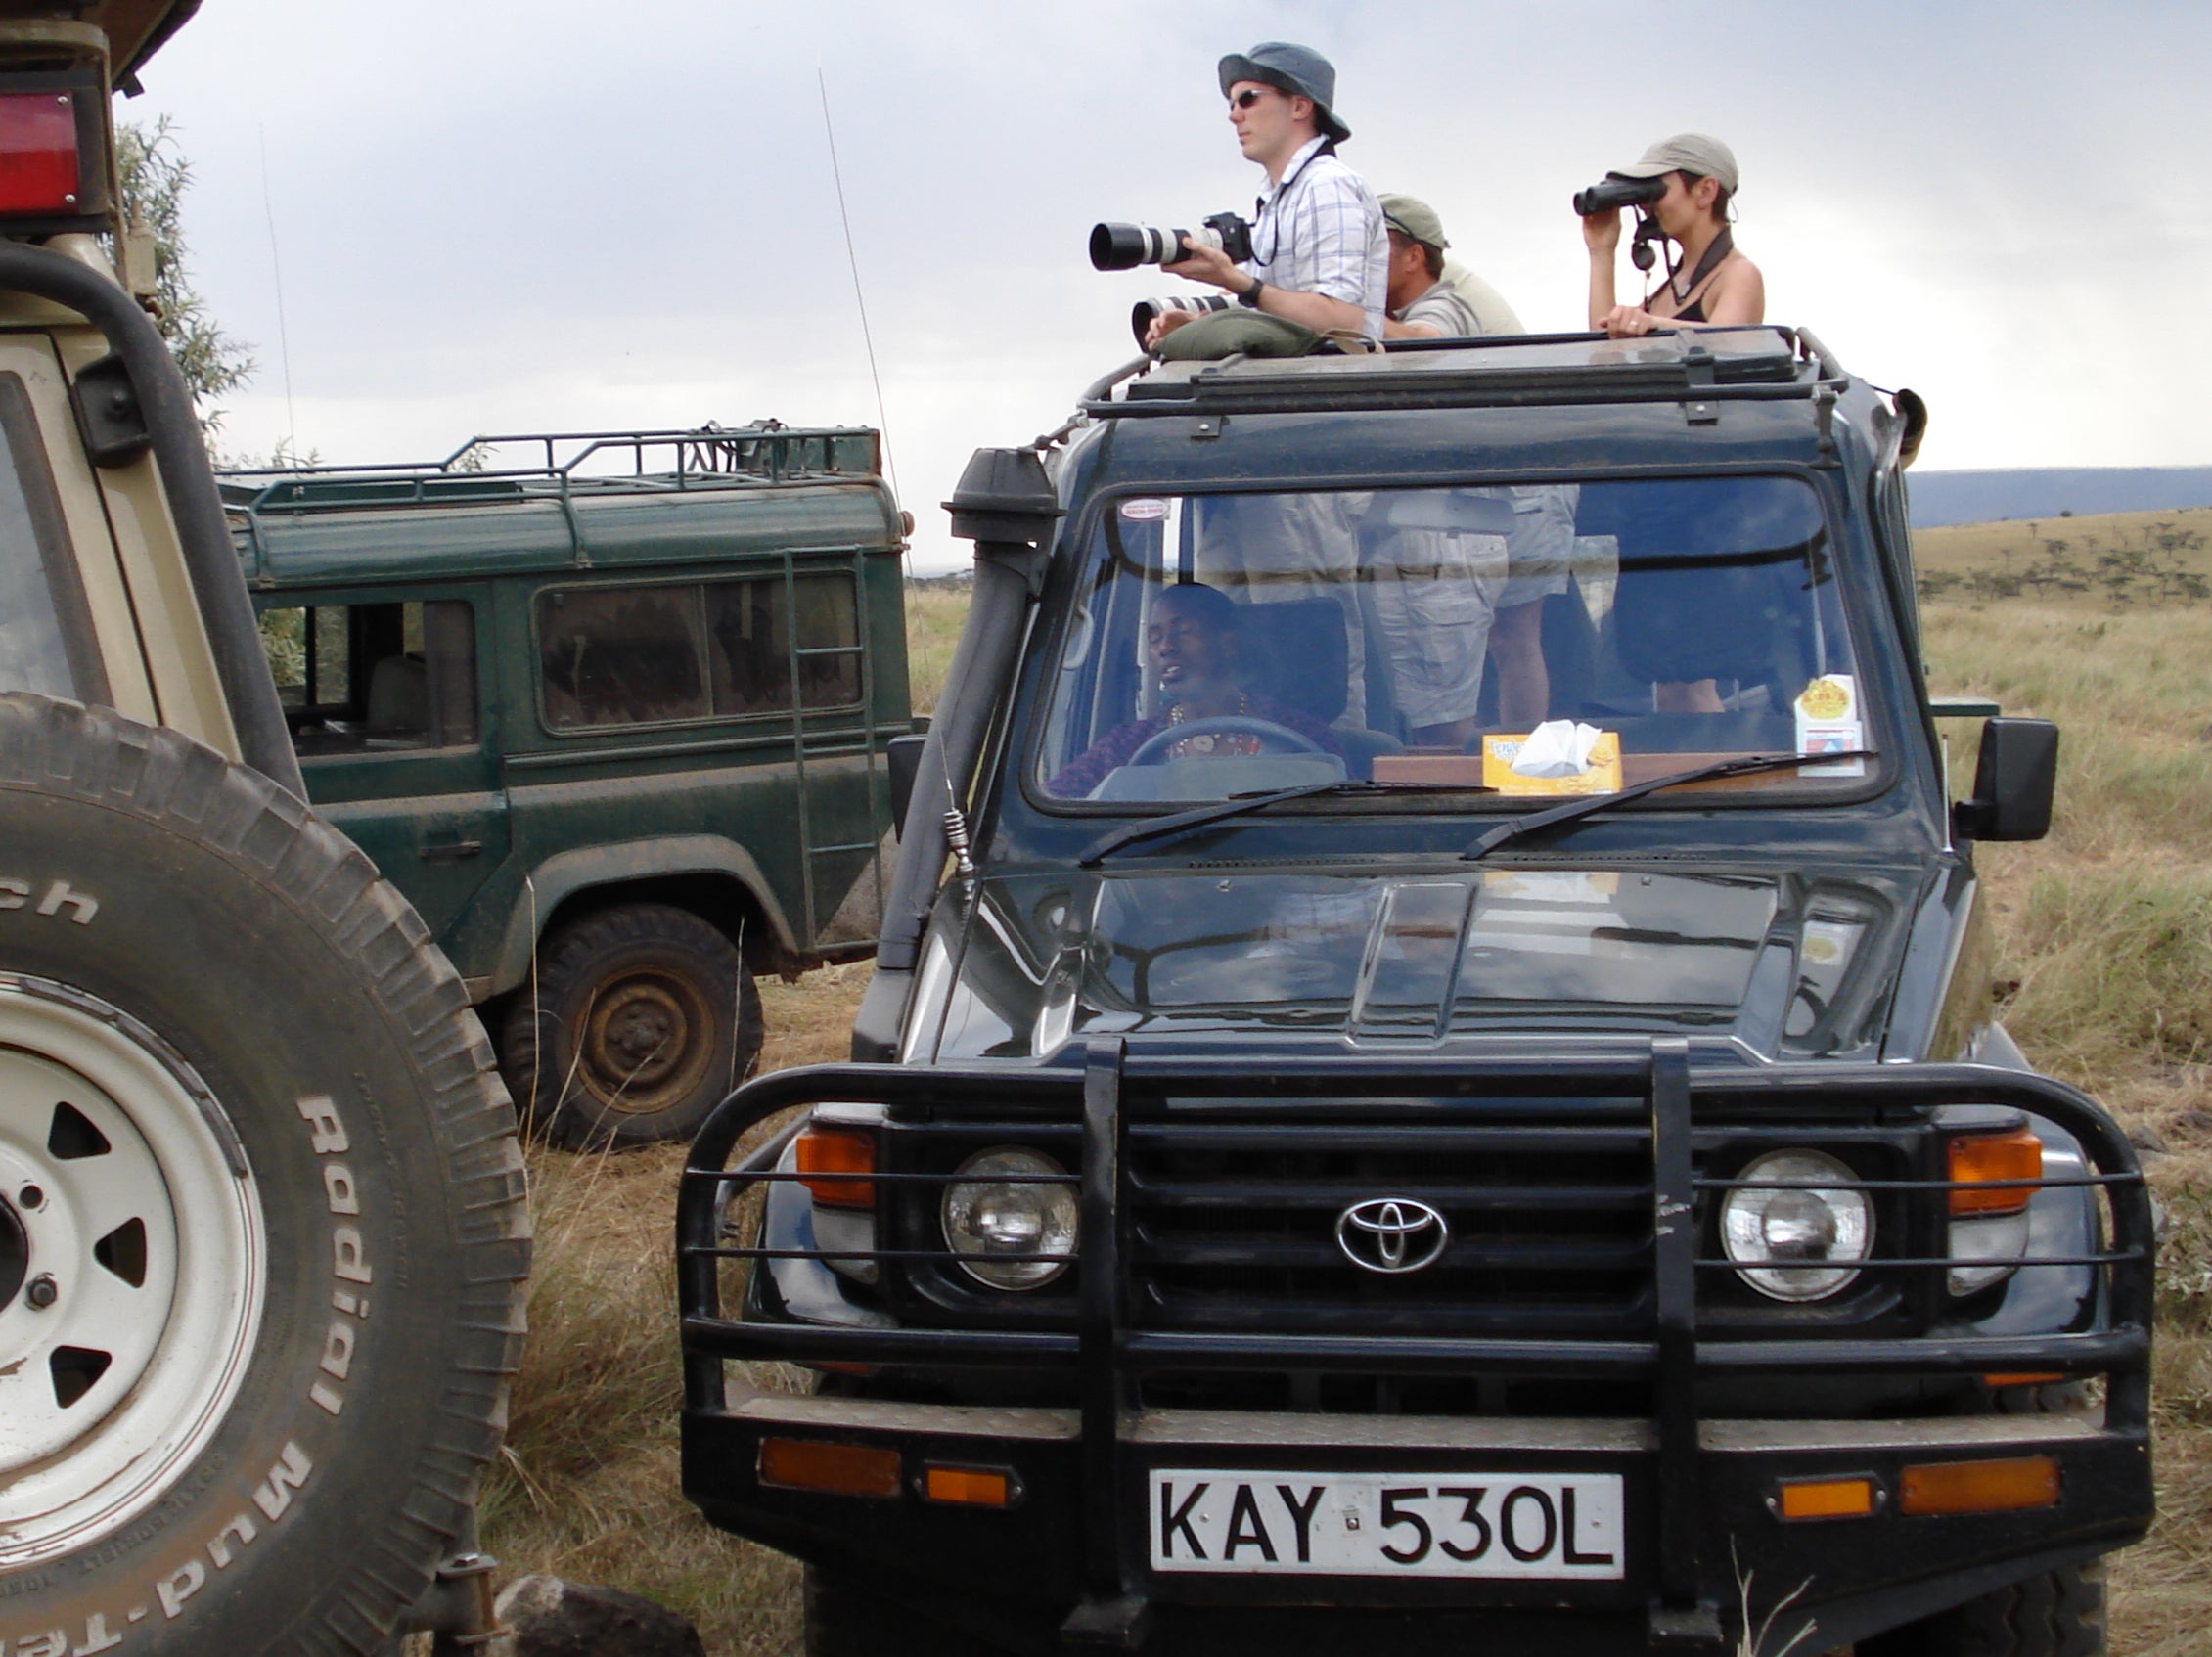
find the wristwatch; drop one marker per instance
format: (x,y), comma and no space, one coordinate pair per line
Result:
(1251,295)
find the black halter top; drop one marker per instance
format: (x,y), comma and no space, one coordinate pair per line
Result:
(1693,308)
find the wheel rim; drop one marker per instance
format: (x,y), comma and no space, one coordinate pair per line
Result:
(648,1041)
(143,1256)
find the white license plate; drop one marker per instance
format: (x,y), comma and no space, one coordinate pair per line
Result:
(1531,1525)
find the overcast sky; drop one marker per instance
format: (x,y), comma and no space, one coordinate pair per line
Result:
(497,217)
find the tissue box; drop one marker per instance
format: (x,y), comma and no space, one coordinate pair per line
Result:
(1603,777)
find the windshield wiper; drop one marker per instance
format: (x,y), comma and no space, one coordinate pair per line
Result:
(1583,805)
(1236,805)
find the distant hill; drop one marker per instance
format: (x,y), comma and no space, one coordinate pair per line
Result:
(1942,498)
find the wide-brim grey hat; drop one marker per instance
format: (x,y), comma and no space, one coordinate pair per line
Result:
(1414,218)
(1697,152)
(1293,69)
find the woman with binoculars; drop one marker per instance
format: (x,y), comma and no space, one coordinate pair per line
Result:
(1686,183)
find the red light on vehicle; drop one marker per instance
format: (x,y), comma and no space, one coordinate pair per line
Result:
(38,152)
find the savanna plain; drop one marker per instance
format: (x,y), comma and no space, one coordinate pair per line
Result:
(2104,976)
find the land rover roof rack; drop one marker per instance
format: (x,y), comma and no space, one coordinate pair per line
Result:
(1707,364)
(566,463)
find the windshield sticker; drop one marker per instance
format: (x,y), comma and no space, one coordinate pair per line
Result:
(1827,722)
(1146,509)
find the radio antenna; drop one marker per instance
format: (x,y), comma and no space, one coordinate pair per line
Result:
(284,337)
(836,174)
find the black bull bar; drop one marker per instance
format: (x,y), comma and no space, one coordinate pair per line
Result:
(1097,1083)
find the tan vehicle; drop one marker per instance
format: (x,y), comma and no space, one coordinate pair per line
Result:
(262,1235)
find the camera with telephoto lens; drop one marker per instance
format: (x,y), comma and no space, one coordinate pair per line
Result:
(1141,314)
(1125,246)
(1610,193)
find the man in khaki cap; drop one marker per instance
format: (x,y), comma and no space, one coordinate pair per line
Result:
(1710,282)
(1431,296)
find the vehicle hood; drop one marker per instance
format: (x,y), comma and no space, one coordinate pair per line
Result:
(1786,963)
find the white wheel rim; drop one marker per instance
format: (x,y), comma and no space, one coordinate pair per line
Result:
(145,1226)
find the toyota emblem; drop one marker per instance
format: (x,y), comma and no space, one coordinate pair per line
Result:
(1391,1235)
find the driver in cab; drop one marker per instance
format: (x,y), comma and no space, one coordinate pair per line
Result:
(1192,655)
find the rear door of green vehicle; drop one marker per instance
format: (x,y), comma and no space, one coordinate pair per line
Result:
(383,688)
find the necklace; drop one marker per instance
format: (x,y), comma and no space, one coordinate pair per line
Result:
(1207,741)
(1175,714)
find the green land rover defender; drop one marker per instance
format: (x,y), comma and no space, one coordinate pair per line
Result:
(612,718)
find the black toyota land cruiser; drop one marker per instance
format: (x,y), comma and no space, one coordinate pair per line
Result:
(1429,1083)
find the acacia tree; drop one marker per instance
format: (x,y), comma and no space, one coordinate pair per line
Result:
(154,176)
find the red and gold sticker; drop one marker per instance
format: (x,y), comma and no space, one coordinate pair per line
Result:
(1826,699)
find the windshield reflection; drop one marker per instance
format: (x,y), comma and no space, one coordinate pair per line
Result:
(1233,644)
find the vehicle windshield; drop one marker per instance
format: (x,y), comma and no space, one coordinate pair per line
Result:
(1230,643)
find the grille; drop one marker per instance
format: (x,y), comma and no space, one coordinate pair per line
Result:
(1234,1224)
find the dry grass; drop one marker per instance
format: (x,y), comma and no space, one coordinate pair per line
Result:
(2106,968)
(588,1487)
(934,614)
(2107,960)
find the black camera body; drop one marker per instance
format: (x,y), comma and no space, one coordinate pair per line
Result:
(1612,193)
(1125,246)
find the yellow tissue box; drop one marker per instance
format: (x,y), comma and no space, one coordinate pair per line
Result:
(1603,777)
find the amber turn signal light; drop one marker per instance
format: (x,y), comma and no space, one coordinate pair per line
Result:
(836,1469)
(1825,1498)
(969,1486)
(835,1165)
(1994,1156)
(1980,1487)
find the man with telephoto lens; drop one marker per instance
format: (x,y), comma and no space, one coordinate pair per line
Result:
(1319,255)
(1709,281)
(1432,297)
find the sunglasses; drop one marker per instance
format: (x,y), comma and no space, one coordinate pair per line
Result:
(1252,94)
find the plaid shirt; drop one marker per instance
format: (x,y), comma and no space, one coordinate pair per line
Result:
(1321,231)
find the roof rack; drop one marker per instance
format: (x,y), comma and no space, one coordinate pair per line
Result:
(573,462)
(1700,366)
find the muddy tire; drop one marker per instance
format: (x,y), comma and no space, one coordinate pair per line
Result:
(642,1017)
(2059,1614)
(268,1192)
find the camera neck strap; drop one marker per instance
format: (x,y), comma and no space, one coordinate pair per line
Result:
(1684,294)
(1275,193)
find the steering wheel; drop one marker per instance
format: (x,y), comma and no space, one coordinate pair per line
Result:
(1274,737)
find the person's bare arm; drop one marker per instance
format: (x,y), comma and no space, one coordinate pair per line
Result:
(1317,311)
(1601,233)
(1738,296)
(1734,298)
(1392,330)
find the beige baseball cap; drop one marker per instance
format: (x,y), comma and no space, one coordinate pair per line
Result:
(1686,151)
(1416,219)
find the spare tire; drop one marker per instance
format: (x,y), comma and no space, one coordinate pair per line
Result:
(262,1230)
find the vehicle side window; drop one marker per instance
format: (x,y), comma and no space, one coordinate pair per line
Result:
(46,642)
(751,647)
(649,655)
(374,677)
(620,655)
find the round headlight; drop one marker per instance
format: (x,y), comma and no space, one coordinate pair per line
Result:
(986,1217)
(1800,1219)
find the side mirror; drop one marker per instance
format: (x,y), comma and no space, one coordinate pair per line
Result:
(2015,779)
(902,758)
